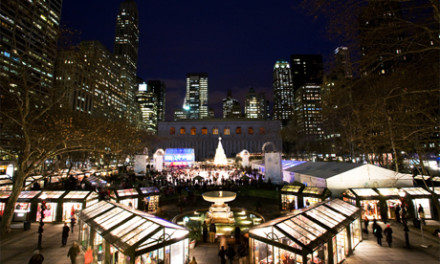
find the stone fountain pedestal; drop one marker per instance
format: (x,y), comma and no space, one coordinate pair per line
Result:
(219,212)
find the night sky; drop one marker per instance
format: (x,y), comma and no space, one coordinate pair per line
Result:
(235,42)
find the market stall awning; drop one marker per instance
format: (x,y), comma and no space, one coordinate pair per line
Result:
(131,231)
(389,191)
(149,190)
(314,190)
(364,192)
(416,191)
(77,195)
(436,190)
(51,194)
(28,194)
(291,188)
(309,228)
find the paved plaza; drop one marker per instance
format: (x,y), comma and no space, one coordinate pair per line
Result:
(17,247)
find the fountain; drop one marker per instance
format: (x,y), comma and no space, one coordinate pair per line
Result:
(219,212)
(220,156)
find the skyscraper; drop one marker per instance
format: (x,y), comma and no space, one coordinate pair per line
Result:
(308,112)
(283,91)
(255,105)
(343,62)
(231,107)
(126,51)
(196,99)
(306,68)
(91,74)
(158,88)
(28,42)
(148,103)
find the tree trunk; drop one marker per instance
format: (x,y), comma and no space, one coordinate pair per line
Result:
(8,214)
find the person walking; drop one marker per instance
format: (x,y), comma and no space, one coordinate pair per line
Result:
(378,234)
(205,232)
(237,234)
(88,256)
(212,231)
(72,223)
(406,230)
(230,253)
(243,252)
(74,251)
(222,255)
(65,235)
(421,214)
(388,232)
(366,222)
(36,258)
(397,213)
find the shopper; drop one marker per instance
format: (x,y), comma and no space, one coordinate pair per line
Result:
(222,255)
(72,223)
(366,222)
(421,214)
(88,256)
(388,232)
(212,231)
(65,235)
(397,213)
(74,251)
(230,253)
(36,258)
(377,231)
(243,252)
(205,232)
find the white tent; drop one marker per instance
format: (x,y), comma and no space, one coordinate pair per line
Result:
(338,176)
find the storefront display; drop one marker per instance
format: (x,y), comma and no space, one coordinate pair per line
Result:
(419,197)
(365,198)
(128,197)
(25,206)
(289,197)
(122,235)
(313,195)
(309,236)
(150,198)
(52,200)
(4,195)
(75,201)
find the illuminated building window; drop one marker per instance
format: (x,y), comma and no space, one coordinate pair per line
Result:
(238,130)
(172,131)
(215,131)
(204,131)
(262,130)
(182,131)
(250,131)
(227,131)
(193,131)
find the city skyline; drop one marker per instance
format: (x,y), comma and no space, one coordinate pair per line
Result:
(236,45)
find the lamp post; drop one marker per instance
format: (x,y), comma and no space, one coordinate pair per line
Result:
(402,195)
(40,228)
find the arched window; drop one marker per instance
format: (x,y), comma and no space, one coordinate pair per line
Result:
(193,131)
(182,131)
(215,131)
(238,130)
(204,131)
(250,130)
(227,131)
(172,131)
(262,130)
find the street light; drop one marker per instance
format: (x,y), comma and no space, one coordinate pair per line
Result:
(40,228)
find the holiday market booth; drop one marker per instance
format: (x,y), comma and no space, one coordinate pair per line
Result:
(150,196)
(365,198)
(25,206)
(4,195)
(77,200)
(299,196)
(391,197)
(53,201)
(129,197)
(326,232)
(118,234)
(417,196)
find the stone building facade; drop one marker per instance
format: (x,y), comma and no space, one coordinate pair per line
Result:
(202,135)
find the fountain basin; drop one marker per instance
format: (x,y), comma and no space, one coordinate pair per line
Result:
(219,197)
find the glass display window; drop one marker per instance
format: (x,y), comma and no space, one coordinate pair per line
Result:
(308,201)
(21,211)
(321,217)
(341,245)
(391,207)
(84,235)
(69,210)
(132,203)
(342,207)
(98,248)
(426,205)
(49,213)
(151,203)
(177,253)
(289,201)
(370,209)
(320,255)
(107,215)
(356,233)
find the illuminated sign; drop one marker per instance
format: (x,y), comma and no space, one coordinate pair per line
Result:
(179,156)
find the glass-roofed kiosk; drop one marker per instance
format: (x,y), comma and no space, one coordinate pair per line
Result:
(324,233)
(119,234)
